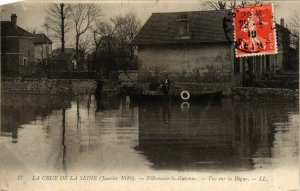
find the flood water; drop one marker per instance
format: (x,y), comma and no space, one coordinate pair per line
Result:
(85,135)
(56,134)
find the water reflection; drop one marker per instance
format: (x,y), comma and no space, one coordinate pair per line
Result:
(17,110)
(208,136)
(85,132)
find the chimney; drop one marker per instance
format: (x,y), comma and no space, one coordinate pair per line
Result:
(13,18)
(282,22)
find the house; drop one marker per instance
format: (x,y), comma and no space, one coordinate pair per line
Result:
(283,40)
(42,46)
(266,66)
(57,51)
(190,48)
(64,62)
(194,51)
(17,48)
(294,59)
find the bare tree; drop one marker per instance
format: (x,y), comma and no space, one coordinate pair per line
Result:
(46,27)
(126,27)
(228,4)
(294,28)
(221,5)
(112,39)
(294,23)
(33,30)
(102,31)
(83,16)
(57,22)
(84,48)
(105,46)
(217,5)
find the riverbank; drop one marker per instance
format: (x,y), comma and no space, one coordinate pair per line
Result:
(48,86)
(112,88)
(250,93)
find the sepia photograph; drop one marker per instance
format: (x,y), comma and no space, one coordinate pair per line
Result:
(150,95)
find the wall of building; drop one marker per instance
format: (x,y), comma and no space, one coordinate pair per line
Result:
(26,51)
(187,66)
(260,65)
(265,66)
(40,51)
(11,63)
(10,54)
(283,44)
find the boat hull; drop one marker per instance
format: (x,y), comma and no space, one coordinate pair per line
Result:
(200,97)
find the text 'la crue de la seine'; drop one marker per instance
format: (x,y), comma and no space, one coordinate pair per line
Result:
(147,178)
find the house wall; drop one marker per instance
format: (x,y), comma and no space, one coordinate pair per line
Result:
(26,51)
(40,51)
(60,66)
(266,65)
(283,44)
(187,66)
(10,54)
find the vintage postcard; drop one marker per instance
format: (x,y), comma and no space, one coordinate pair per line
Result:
(149,95)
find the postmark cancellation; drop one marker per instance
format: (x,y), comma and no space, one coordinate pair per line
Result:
(254,30)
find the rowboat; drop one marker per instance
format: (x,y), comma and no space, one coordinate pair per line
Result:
(148,95)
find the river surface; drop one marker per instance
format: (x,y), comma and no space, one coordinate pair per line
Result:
(85,135)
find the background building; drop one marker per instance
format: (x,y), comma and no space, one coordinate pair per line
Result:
(17,48)
(42,47)
(190,48)
(195,50)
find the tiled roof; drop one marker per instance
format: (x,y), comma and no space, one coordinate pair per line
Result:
(203,26)
(282,28)
(67,50)
(41,39)
(8,29)
(64,56)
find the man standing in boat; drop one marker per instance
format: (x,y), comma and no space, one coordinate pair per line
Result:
(166,85)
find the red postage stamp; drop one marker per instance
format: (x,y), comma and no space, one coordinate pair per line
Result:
(254,30)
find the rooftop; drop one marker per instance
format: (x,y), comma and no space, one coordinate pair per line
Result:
(64,56)
(203,26)
(67,50)
(9,29)
(41,39)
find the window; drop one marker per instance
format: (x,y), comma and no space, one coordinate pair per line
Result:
(24,61)
(268,62)
(74,63)
(182,25)
(182,28)
(276,61)
(236,65)
(47,51)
